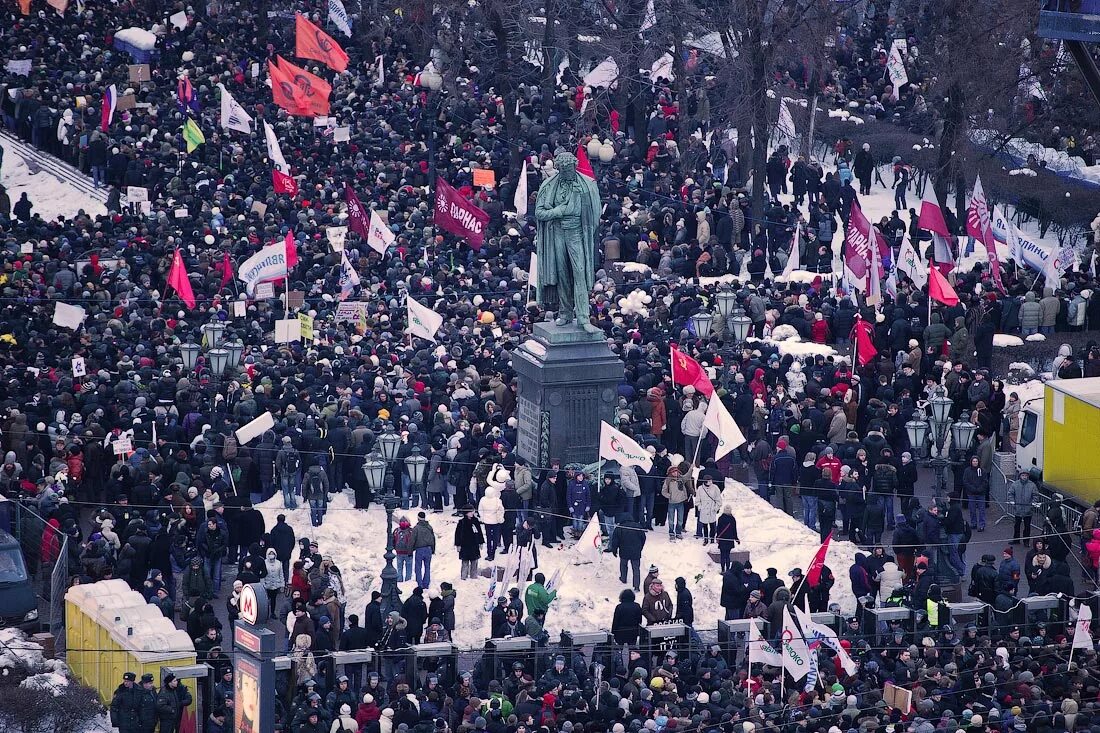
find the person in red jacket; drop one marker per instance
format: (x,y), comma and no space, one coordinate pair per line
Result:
(819,331)
(831,462)
(1092,547)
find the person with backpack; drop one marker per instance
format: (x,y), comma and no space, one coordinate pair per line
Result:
(315,491)
(288,464)
(403,545)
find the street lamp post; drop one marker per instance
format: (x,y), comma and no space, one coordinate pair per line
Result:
(375,470)
(702,322)
(389,443)
(416,466)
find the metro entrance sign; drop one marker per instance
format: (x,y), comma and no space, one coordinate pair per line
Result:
(254,666)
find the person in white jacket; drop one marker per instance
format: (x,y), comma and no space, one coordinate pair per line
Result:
(491,511)
(796,380)
(344,723)
(889,580)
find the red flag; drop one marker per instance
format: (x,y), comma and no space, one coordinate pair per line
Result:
(687,371)
(315,90)
(291,251)
(584,167)
(226,269)
(862,333)
(286,93)
(931,219)
(939,289)
(813,573)
(455,214)
(177,280)
(310,42)
(979,226)
(358,219)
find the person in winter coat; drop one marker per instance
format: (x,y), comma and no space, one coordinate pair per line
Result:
(578,498)
(726,536)
(403,549)
(861,579)
(975,482)
(281,539)
(677,489)
(626,622)
(415,612)
(685,604)
(890,578)
(1049,306)
(345,723)
(627,542)
(935,334)
(1020,495)
(274,581)
(134,707)
(423,550)
(491,512)
(657,605)
(171,700)
(983,580)
(469,537)
(734,593)
(1030,315)
(1008,572)
(708,498)
(315,491)
(537,596)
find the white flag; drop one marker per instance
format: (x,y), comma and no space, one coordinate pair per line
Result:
(760,651)
(617,446)
(422,321)
(68,316)
(794,262)
(796,654)
(1005,230)
(234,116)
(280,171)
(379,236)
(874,292)
(338,16)
(266,265)
(520,200)
(895,70)
(910,263)
(349,278)
(380,62)
(825,635)
(1082,630)
(1059,260)
(786,122)
(720,422)
(591,541)
(533,271)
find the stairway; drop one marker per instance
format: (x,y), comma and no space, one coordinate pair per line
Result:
(38,161)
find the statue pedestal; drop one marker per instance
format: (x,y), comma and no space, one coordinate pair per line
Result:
(567,385)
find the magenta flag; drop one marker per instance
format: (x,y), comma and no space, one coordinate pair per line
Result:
(358,218)
(456,215)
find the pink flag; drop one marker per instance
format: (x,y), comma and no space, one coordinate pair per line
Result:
(226,269)
(455,214)
(813,572)
(939,289)
(857,249)
(110,101)
(291,251)
(931,219)
(177,280)
(358,220)
(979,226)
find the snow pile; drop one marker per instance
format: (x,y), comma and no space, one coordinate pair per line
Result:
(1022,368)
(51,682)
(1036,337)
(51,196)
(846,116)
(797,347)
(1022,172)
(1056,160)
(17,651)
(636,267)
(590,584)
(1029,390)
(1005,340)
(785,333)
(138,38)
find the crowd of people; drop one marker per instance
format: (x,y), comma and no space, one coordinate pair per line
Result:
(176,515)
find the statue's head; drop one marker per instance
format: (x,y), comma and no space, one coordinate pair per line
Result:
(566,165)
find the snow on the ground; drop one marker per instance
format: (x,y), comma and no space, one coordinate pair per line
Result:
(51,196)
(1036,337)
(797,347)
(52,682)
(590,584)
(1056,160)
(1028,390)
(1022,367)
(1004,339)
(17,651)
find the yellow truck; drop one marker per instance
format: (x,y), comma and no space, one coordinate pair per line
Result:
(1060,436)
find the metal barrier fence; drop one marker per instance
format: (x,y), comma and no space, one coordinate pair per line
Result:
(49,574)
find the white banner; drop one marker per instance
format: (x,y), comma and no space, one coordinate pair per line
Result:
(68,316)
(796,654)
(720,422)
(910,263)
(1082,630)
(520,198)
(266,265)
(617,446)
(338,16)
(234,116)
(336,237)
(379,236)
(895,70)
(255,428)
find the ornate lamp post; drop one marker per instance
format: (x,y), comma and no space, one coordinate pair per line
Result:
(416,466)
(702,322)
(375,470)
(389,443)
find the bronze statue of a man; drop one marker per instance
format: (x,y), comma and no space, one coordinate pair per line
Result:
(567,212)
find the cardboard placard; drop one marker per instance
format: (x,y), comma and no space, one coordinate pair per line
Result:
(180,213)
(26,248)
(306,327)
(484,177)
(80,369)
(122,446)
(179,20)
(21,67)
(898,698)
(297,299)
(320,121)
(341,135)
(255,428)
(136,194)
(287,330)
(350,311)
(265,291)
(240,309)
(259,208)
(125,102)
(140,72)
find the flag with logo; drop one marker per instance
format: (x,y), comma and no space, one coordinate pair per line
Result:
(895,70)
(192,135)
(857,250)
(796,653)
(349,277)
(931,219)
(286,93)
(1058,261)
(357,215)
(454,214)
(1082,630)
(979,226)
(910,263)
(1008,234)
(617,446)
(178,280)
(379,236)
(280,171)
(422,321)
(591,541)
(110,101)
(266,265)
(310,42)
(315,90)
(722,426)
(234,116)
(688,372)
(760,651)
(817,634)
(338,16)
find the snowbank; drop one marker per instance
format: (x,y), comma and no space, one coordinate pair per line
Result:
(52,682)
(51,196)
(797,347)
(1028,390)
(1006,340)
(1056,160)
(1036,337)
(590,584)
(137,37)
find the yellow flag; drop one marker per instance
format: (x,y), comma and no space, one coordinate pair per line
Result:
(192,135)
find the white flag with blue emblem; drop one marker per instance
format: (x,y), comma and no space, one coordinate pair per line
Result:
(349,277)
(234,116)
(338,16)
